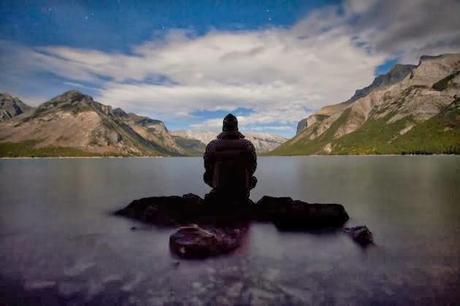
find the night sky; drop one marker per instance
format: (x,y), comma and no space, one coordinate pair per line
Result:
(188,63)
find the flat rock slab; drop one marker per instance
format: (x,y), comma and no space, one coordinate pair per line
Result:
(219,227)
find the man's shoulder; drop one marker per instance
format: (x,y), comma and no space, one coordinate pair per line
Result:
(212,144)
(247,142)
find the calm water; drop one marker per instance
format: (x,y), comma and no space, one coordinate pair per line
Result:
(60,245)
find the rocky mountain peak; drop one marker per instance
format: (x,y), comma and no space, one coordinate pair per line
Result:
(75,101)
(424,58)
(73,96)
(11,107)
(396,74)
(120,113)
(433,68)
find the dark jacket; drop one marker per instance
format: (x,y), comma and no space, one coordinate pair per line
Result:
(230,162)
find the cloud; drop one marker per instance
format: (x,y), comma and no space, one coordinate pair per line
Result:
(277,72)
(280,73)
(407,29)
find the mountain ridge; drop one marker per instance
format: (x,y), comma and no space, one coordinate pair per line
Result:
(74,124)
(381,122)
(396,74)
(11,107)
(263,142)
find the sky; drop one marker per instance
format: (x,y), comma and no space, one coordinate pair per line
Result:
(189,63)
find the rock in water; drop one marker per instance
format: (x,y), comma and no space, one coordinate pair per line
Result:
(360,234)
(222,224)
(201,242)
(290,214)
(165,211)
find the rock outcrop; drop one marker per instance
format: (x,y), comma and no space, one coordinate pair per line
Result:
(289,214)
(213,227)
(400,112)
(361,234)
(11,107)
(201,242)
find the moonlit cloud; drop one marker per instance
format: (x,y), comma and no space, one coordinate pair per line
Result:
(281,73)
(407,29)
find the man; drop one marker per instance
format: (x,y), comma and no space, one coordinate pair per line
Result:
(230,162)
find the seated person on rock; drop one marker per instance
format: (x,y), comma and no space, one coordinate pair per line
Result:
(230,162)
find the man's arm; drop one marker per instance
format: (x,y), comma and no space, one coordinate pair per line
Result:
(252,158)
(208,164)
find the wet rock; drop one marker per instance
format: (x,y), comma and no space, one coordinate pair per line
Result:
(166,210)
(198,242)
(289,214)
(190,208)
(284,212)
(221,225)
(361,234)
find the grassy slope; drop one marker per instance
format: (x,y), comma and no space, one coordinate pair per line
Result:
(440,134)
(27,149)
(301,145)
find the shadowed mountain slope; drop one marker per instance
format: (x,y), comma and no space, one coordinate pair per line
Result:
(11,107)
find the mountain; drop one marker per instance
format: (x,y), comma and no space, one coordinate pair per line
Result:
(73,124)
(412,109)
(396,74)
(11,107)
(197,140)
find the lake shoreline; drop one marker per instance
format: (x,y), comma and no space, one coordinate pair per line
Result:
(270,156)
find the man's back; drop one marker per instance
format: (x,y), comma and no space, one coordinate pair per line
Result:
(230,162)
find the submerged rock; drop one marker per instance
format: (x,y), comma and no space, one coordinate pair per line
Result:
(361,234)
(198,242)
(221,225)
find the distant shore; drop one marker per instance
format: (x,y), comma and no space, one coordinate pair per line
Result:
(82,157)
(121,157)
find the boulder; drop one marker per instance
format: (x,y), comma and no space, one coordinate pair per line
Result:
(288,214)
(361,234)
(201,242)
(164,210)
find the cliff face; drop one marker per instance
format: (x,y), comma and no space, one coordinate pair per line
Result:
(395,75)
(75,124)
(387,117)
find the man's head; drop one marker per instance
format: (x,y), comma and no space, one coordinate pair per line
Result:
(230,123)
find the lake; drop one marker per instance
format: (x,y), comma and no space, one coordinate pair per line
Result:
(59,243)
